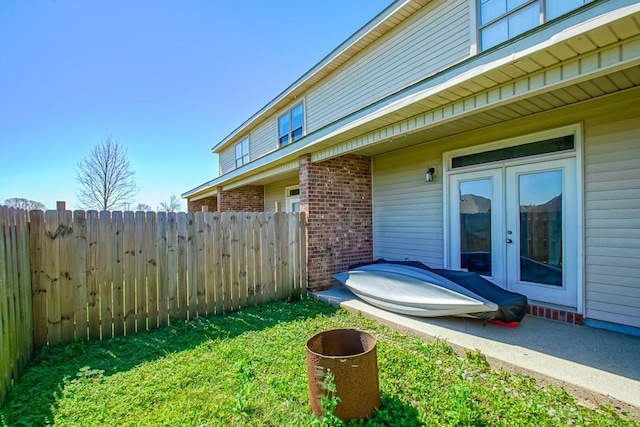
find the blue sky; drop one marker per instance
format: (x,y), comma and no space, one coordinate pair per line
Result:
(168,78)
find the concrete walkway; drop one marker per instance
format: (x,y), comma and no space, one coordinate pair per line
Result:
(595,365)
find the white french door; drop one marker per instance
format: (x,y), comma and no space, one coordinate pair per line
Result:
(517,225)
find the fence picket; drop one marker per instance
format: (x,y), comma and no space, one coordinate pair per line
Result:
(140,272)
(39,291)
(24,295)
(117,271)
(51,270)
(80,274)
(217,241)
(294,291)
(209,262)
(105,273)
(67,275)
(172,266)
(270,255)
(129,259)
(163,269)
(6,357)
(93,300)
(182,286)
(302,252)
(199,266)
(226,261)
(151,259)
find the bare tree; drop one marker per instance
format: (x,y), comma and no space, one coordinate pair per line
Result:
(143,207)
(26,204)
(174,205)
(106,177)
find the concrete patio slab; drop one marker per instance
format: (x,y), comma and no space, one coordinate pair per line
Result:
(595,365)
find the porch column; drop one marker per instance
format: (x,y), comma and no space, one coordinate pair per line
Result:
(336,196)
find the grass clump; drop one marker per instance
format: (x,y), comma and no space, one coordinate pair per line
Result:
(248,369)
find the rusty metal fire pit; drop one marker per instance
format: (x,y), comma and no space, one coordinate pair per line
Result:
(350,354)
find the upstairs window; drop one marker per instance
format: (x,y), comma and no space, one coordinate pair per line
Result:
(501,20)
(291,125)
(242,152)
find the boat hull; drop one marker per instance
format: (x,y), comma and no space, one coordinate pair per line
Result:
(413,289)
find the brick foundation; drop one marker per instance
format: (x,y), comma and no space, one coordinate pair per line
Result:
(196,205)
(555,314)
(336,196)
(249,198)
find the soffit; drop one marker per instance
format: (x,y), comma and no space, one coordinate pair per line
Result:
(563,97)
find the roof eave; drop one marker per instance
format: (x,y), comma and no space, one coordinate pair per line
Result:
(335,58)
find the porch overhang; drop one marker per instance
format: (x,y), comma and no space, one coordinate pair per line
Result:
(553,66)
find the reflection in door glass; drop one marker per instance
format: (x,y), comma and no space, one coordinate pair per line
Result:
(540,207)
(475,226)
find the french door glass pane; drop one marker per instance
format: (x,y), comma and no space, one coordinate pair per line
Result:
(475,226)
(540,207)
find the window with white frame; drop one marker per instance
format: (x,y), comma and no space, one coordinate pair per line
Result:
(242,152)
(291,125)
(501,20)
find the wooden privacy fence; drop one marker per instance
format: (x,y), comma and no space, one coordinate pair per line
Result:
(16,338)
(103,274)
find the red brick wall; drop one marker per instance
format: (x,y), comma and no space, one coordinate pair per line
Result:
(249,198)
(196,205)
(336,196)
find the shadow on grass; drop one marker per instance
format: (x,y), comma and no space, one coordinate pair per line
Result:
(33,399)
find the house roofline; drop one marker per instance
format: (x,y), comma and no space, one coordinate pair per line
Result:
(502,55)
(372,30)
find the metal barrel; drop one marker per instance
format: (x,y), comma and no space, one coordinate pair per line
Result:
(350,354)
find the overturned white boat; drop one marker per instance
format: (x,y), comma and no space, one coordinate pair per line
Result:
(414,289)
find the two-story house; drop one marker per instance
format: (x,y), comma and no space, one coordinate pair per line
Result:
(497,136)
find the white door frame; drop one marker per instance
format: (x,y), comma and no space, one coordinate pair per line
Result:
(577,153)
(290,200)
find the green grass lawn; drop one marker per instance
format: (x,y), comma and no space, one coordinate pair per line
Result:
(249,369)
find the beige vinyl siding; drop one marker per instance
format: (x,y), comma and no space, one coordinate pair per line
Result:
(275,192)
(408,212)
(227,160)
(264,139)
(437,37)
(407,220)
(612,216)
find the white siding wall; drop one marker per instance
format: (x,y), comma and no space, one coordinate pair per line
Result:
(275,192)
(612,202)
(407,210)
(264,139)
(435,38)
(227,160)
